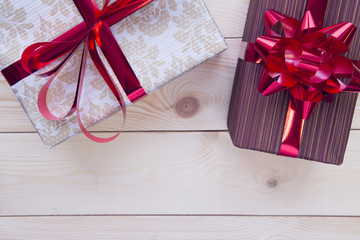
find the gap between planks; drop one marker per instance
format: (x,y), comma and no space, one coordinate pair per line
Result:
(205,175)
(152,131)
(193,228)
(179,215)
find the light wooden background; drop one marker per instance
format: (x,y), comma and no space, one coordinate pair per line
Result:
(175,173)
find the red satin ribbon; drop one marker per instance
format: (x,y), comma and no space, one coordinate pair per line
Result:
(306,60)
(94,30)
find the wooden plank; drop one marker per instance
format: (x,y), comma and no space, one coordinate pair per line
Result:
(197,100)
(168,227)
(170,173)
(229,15)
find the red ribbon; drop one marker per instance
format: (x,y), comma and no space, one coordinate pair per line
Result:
(306,60)
(95,30)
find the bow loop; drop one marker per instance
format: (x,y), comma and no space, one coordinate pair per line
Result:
(308,22)
(273,18)
(307,60)
(94,30)
(342,35)
(304,59)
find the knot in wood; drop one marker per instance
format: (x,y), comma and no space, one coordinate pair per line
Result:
(271,183)
(187,107)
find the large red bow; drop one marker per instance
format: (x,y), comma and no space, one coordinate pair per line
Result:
(95,30)
(306,60)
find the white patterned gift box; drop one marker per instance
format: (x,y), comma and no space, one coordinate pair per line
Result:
(161,41)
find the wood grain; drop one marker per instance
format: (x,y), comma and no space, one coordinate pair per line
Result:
(173,173)
(170,173)
(229,15)
(167,227)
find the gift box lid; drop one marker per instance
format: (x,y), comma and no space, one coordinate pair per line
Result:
(257,122)
(161,41)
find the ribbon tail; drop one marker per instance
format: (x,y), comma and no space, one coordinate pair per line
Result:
(101,67)
(42,97)
(81,124)
(293,129)
(269,85)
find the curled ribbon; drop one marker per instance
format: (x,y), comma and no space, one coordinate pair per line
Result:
(305,59)
(94,31)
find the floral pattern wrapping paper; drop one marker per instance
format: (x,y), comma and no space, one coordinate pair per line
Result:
(161,41)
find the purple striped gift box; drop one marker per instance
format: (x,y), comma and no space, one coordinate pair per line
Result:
(257,122)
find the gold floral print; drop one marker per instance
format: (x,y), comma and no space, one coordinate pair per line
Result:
(50,29)
(70,73)
(145,59)
(127,26)
(195,32)
(150,20)
(178,65)
(12,23)
(65,7)
(13,30)
(97,112)
(161,41)
(59,99)
(153,21)
(98,84)
(170,4)
(52,132)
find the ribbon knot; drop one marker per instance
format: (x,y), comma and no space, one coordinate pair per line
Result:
(93,31)
(304,58)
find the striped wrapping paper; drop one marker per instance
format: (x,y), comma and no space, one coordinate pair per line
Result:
(257,122)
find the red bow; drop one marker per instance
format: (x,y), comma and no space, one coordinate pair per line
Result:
(304,59)
(95,30)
